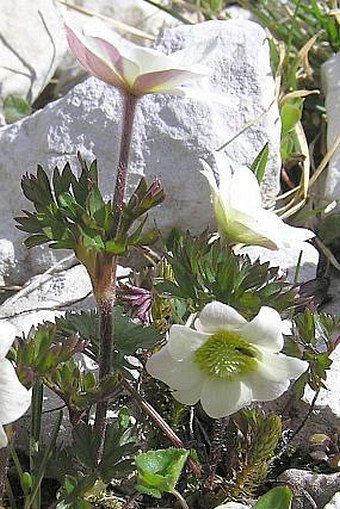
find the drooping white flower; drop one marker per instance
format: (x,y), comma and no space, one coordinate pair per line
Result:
(226,362)
(125,65)
(14,397)
(239,212)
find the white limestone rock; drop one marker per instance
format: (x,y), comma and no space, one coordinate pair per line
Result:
(331,87)
(7,260)
(171,133)
(334,503)
(328,398)
(51,294)
(135,13)
(287,259)
(31,46)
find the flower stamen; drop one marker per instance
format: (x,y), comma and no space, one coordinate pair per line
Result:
(226,355)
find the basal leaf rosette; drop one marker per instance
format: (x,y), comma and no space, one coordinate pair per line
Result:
(14,397)
(131,68)
(239,213)
(226,362)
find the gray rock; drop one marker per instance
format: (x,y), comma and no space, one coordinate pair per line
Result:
(311,491)
(171,133)
(31,46)
(331,87)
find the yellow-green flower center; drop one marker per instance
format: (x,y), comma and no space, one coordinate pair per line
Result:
(226,355)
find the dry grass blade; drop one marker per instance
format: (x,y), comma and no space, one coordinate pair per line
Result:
(298,93)
(325,160)
(303,56)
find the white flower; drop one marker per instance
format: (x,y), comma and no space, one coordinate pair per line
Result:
(239,212)
(14,397)
(233,505)
(226,362)
(127,66)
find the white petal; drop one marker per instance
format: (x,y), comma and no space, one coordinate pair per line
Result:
(210,176)
(220,397)
(14,397)
(293,235)
(183,341)
(246,229)
(216,316)
(279,367)
(225,178)
(244,191)
(265,390)
(189,396)
(178,375)
(7,336)
(3,437)
(265,330)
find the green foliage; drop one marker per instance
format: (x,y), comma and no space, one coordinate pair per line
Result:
(128,336)
(158,471)
(291,113)
(39,354)
(205,270)
(258,438)
(15,108)
(260,162)
(78,389)
(280,498)
(116,461)
(315,335)
(71,213)
(295,22)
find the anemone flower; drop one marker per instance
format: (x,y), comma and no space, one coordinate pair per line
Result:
(239,212)
(226,362)
(131,68)
(14,397)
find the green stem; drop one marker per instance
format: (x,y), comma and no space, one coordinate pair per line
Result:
(36,412)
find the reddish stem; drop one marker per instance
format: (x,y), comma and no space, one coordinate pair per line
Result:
(106,268)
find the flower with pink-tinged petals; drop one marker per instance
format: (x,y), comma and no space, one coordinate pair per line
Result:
(131,68)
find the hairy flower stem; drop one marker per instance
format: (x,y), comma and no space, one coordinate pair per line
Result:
(105,291)
(129,107)
(3,467)
(217,442)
